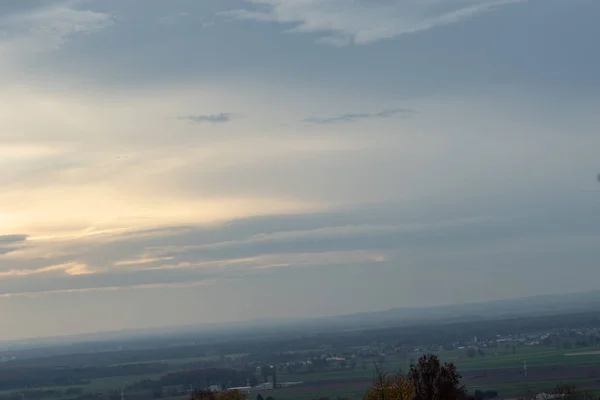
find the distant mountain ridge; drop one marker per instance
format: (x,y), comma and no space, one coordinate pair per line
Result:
(543,305)
(499,309)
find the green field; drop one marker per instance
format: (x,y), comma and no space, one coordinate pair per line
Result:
(97,385)
(352,384)
(177,362)
(117,382)
(497,359)
(533,356)
(173,361)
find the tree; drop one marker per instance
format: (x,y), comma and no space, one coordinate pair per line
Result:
(259,397)
(433,380)
(231,395)
(114,395)
(570,392)
(390,387)
(565,392)
(291,368)
(488,394)
(478,395)
(209,395)
(265,371)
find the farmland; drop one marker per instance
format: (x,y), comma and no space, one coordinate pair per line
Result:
(490,355)
(501,371)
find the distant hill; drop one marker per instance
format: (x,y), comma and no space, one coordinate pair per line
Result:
(522,307)
(535,306)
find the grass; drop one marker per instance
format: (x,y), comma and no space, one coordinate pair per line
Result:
(116,382)
(172,361)
(500,358)
(541,357)
(95,385)
(510,390)
(178,362)
(352,384)
(309,393)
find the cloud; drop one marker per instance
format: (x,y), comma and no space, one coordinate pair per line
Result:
(10,243)
(69,269)
(242,247)
(47,28)
(362,235)
(388,245)
(361,116)
(9,239)
(339,22)
(115,191)
(184,177)
(220,118)
(172,19)
(111,289)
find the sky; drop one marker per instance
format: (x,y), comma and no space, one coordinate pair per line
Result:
(201,161)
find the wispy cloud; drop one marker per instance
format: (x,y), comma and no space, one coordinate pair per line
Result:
(112,288)
(220,118)
(172,19)
(244,247)
(341,22)
(194,253)
(72,269)
(47,28)
(10,243)
(8,239)
(353,117)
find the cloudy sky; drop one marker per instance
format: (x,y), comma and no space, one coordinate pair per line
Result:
(169,162)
